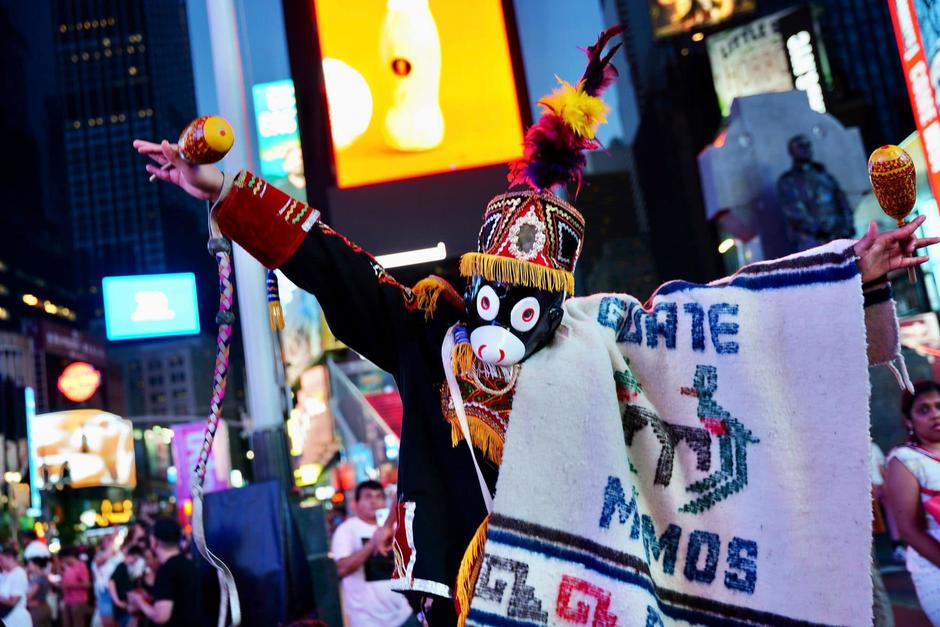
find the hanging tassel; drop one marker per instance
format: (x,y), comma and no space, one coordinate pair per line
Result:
(469,572)
(427,291)
(275,312)
(462,357)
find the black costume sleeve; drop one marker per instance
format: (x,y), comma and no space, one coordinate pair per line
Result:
(366,308)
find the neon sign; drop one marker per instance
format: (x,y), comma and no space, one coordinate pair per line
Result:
(79,381)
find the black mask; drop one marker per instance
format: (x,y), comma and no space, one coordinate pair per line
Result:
(508,323)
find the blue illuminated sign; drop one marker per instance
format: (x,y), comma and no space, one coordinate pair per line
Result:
(35,500)
(150,305)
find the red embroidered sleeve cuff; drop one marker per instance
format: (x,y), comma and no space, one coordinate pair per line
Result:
(263,220)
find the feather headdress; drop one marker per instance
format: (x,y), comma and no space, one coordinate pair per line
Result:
(554,146)
(532,237)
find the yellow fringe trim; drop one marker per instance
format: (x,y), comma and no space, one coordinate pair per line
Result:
(469,572)
(427,291)
(276,316)
(462,359)
(509,270)
(483,437)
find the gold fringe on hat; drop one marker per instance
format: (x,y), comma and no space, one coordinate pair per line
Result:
(469,572)
(516,272)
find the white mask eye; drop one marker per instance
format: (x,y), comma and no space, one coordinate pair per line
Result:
(487,303)
(525,314)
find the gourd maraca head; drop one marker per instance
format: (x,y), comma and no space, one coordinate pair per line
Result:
(206,139)
(894,180)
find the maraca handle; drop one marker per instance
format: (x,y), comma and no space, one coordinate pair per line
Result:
(911,272)
(166,166)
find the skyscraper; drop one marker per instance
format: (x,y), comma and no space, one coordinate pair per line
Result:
(863,58)
(124,70)
(35,278)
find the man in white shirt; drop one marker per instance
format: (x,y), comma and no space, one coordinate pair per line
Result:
(13,590)
(34,547)
(360,548)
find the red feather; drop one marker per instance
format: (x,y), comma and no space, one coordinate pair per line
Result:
(599,73)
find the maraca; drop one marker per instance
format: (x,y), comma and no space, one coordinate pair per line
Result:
(894,181)
(205,140)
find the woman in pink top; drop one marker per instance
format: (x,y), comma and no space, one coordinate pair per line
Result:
(913,483)
(76,584)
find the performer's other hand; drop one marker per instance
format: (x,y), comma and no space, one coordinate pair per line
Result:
(199,181)
(880,253)
(382,540)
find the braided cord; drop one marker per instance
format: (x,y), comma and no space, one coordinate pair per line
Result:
(224,318)
(222,250)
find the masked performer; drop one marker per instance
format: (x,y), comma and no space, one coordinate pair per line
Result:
(660,463)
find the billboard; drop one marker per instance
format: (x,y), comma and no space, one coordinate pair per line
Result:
(917,30)
(53,338)
(187,443)
(311,427)
(82,448)
(79,381)
(150,305)
(780,52)
(414,90)
(671,17)
(279,152)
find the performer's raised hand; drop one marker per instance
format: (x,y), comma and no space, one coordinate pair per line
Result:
(199,181)
(382,539)
(880,253)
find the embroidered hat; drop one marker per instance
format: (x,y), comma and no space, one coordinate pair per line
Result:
(532,237)
(528,238)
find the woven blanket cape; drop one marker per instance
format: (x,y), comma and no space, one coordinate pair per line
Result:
(702,461)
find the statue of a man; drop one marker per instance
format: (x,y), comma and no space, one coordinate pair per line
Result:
(815,207)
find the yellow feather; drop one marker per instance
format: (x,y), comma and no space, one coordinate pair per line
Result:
(582,112)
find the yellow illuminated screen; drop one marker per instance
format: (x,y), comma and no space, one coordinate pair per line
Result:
(672,17)
(417,87)
(83,448)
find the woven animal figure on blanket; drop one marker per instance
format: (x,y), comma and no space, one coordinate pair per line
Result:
(733,439)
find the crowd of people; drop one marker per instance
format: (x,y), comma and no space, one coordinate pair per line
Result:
(139,578)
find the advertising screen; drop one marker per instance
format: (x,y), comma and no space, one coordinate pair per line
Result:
(671,17)
(417,87)
(917,30)
(776,53)
(311,427)
(187,443)
(279,149)
(150,305)
(83,448)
